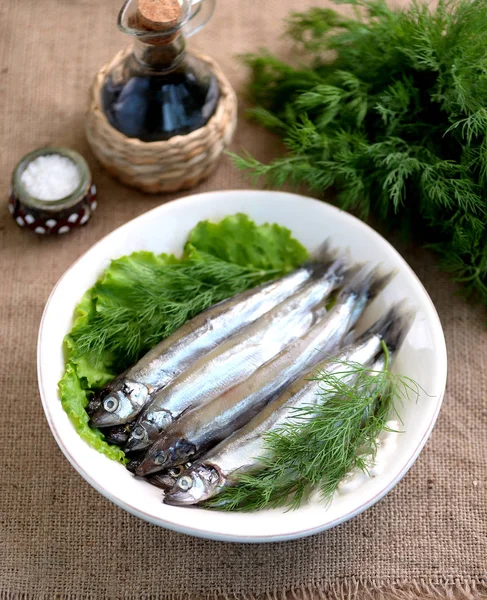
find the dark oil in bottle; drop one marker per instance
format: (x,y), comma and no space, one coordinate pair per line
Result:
(156,107)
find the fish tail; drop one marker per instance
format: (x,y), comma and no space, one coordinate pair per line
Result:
(394,326)
(330,260)
(324,254)
(366,283)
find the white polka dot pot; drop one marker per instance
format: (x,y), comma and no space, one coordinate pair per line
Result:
(56,216)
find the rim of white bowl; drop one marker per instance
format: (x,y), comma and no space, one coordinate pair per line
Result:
(433,319)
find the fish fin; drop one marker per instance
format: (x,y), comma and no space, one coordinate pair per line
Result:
(367,282)
(330,261)
(324,254)
(338,269)
(353,270)
(327,256)
(394,325)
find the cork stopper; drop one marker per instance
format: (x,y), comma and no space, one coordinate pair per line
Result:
(159,15)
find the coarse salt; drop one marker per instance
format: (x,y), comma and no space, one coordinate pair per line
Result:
(51,177)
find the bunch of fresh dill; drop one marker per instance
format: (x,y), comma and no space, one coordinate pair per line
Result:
(324,442)
(395,120)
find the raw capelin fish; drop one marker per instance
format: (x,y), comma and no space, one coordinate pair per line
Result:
(123,399)
(239,453)
(201,428)
(236,358)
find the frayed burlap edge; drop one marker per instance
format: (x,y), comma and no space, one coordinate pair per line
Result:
(354,589)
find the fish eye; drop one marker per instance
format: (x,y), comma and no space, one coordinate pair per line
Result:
(139,433)
(185,483)
(160,458)
(110,404)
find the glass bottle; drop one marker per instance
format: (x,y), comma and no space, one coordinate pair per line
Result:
(160,90)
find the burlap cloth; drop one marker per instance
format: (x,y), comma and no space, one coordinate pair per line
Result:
(58,537)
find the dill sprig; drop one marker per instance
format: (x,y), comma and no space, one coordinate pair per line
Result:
(390,111)
(322,443)
(153,300)
(143,298)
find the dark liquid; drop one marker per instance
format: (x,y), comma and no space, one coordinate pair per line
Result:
(157,107)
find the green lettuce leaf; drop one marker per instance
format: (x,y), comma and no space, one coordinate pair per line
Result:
(237,239)
(94,373)
(74,400)
(142,298)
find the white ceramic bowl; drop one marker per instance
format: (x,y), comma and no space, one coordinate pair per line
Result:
(165,229)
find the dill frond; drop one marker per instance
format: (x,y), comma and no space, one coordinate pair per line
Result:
(142,298)
(321,444)
(388,110)
(155,301)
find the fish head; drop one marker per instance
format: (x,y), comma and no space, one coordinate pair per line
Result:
(146,431)
(120,405)
(165,480)
(166,452)
(194,486)
(93,405)
(117,435)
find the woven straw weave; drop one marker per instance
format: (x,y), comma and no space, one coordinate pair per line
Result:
(177,164)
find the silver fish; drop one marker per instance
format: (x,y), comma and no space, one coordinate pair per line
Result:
(123,399)
(239,453)
(201,428)
(236,358)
